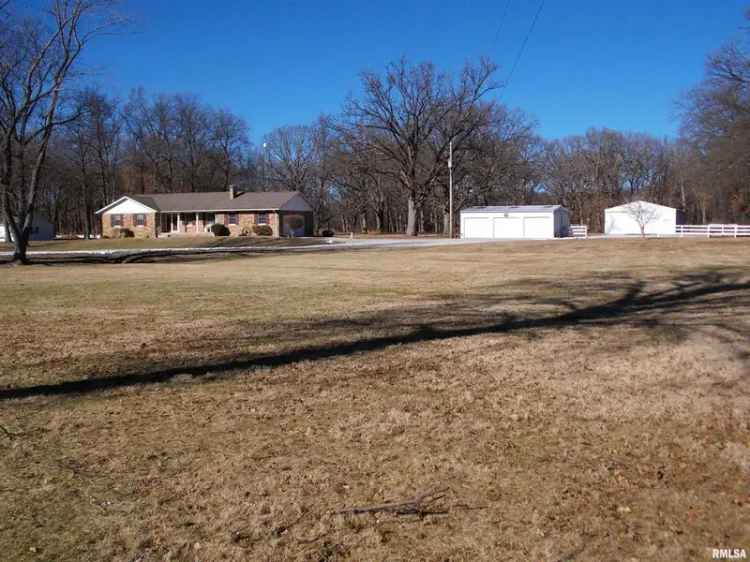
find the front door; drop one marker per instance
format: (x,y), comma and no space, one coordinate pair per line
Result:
(169,223)
(208,220)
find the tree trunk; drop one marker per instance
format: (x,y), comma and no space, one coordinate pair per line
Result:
(88,212)
(20,248)
(17,230)
(446,224)
(20,239)
(683,196)
(411,224)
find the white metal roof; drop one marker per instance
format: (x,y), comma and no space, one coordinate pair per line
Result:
(514,209)
(626,206)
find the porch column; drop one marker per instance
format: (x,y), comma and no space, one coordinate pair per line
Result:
(179,222)
(196,223)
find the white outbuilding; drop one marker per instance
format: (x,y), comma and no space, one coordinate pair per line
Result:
(41,229)
(628,219)
(515,221)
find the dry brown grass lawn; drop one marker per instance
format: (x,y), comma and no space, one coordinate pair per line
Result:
(579,400)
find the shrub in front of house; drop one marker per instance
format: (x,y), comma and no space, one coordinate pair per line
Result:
(125,233)
(327,233)
(219,230)
(262,230)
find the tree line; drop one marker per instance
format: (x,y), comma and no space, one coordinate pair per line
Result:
(379,165)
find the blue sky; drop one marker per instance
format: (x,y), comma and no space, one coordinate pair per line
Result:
(588,63)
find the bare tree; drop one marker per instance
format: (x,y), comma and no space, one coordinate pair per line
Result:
(92,146)
(716,124)
(357,177)
(642,213)
(193,133)
(37,60)
(291,151)
(591,172)
(153,140)
(411,114)
(298,159)
(496,163)
(178,143)
(229,138)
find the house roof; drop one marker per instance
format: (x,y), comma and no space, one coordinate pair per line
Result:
(625,206)
(514,209)
(211,201)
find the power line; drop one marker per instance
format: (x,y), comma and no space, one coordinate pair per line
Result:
(525,41)
(502,21)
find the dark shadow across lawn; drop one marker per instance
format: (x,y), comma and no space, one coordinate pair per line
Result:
(695,294)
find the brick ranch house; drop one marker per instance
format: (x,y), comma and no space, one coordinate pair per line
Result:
(166,214)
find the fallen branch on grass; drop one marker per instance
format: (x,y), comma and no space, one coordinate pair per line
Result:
(468,507)
(422,505)
(8,434)
(281,529)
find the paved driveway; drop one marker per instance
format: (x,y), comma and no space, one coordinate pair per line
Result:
(337,244)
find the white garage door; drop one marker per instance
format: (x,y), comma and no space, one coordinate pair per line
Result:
(478,227)
(537,227)
(508,227)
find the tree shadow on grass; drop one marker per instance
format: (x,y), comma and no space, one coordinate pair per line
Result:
(692,295)
(126,257)
(214,250)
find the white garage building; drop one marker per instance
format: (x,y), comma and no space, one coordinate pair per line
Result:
(627,219)
(516,221)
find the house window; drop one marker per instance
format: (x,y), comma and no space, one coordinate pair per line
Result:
(231,218)
(140,220)
(209,218)
(261,218)
(115,220)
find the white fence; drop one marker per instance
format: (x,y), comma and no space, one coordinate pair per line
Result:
(578,231)
(709,230)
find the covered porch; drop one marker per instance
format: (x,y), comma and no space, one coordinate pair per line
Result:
(171,224)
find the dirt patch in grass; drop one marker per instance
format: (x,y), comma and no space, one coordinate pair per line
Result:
(584,401)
